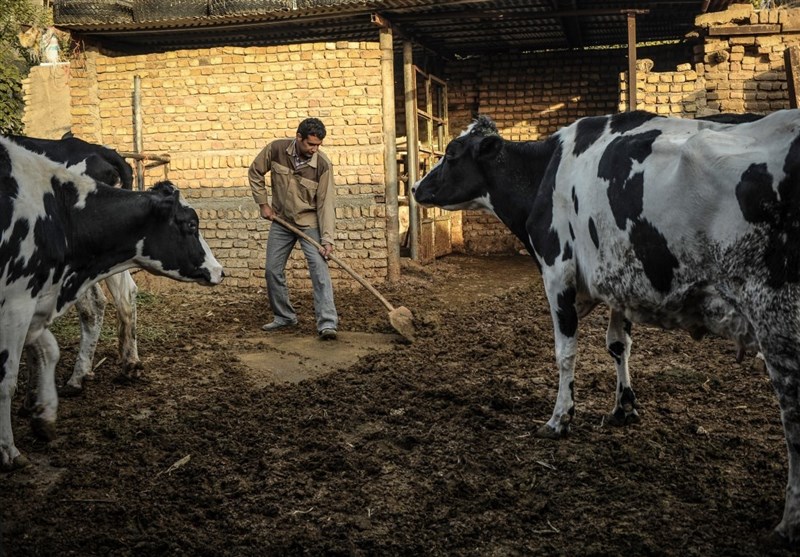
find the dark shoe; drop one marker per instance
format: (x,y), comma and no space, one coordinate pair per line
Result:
(327,334)
(275,325)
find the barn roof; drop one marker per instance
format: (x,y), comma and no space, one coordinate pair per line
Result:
(451,28)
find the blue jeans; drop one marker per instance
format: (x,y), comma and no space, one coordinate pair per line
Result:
(280,243)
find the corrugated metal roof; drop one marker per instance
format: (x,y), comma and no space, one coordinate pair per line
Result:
(450,28)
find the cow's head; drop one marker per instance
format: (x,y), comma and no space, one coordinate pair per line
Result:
(172,245)
(458,179)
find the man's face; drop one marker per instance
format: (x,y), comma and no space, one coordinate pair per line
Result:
(308,146)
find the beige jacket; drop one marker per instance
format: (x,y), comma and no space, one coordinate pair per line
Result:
(305,197)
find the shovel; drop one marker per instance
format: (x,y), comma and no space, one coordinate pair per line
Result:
(401,317)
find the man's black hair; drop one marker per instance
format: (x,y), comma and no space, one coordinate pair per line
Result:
(311,126)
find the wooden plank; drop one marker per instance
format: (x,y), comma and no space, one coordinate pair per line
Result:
(791,58)
(760,29)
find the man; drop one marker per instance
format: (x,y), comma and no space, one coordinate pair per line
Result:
(303,194)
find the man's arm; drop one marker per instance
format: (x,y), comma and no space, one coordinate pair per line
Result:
(256,176)
(326,210)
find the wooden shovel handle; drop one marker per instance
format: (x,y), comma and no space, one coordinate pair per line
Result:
(338,261)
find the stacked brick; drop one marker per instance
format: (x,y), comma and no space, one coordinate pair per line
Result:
(667,93)
(213,110)
(738,66)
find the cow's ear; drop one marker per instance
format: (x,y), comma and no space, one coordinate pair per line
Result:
(165,188)
(166,202)
(489,147)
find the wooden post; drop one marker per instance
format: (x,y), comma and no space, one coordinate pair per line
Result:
(412,144)
(791,60)
(631,61)
(137,129)
(390,155)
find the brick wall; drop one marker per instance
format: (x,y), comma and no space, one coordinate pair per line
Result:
(213,110)
(737,66)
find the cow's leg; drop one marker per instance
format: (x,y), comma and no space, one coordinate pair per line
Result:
(123,289)
(776,324)
(91,308)
(561,294)
(44,351)
(783,365)
(12,338)
(618,341)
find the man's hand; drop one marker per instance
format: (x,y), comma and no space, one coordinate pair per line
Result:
(326,250)
(266,211)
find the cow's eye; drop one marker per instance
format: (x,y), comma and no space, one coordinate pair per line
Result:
(454,150)
(190,227)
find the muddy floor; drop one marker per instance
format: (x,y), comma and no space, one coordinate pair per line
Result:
(241,444)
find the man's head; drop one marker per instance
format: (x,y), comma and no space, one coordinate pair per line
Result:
(310,134)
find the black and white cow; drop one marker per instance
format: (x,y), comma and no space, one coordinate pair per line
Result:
(104,165)
(678,223)
(60,232)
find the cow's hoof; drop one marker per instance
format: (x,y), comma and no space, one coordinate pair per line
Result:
(43,429)
(70,391)
(547,432)
(779,541)
(19,462)
(620,418)
(133,370)
(758,365)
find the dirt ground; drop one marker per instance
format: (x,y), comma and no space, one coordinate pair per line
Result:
(237,443)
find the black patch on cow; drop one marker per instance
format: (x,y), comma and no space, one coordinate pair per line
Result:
(627,121)
(11,264)
(574,200)
(593,233)
(571,232)
(651,249)
(544,239)
(9,189)
(626,192)
(757,200)
(566,312)
(777,213)
(627,326)
(726,118)
(566,254)
(617,350)
(588,131)
(3,362)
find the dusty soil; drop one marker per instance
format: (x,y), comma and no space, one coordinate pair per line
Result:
(237,443)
